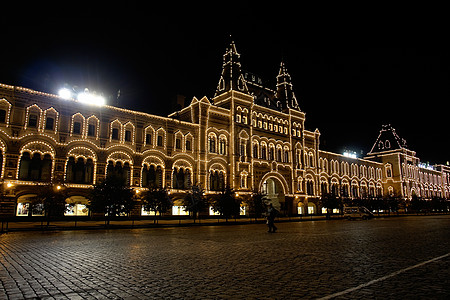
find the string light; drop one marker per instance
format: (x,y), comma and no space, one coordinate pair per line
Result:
(233,116)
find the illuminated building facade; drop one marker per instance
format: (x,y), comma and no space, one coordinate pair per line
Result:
(248,136)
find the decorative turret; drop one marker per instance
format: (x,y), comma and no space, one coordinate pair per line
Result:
(285,93)
(231,78)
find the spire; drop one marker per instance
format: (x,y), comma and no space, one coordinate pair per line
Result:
(285,93)
(231,78)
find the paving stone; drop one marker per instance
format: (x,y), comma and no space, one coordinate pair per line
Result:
(304,260)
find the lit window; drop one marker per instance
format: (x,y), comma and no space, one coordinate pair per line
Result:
(179,211)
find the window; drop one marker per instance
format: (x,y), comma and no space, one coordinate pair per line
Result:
(286,156)
(263,152)
(222,144)
(77,128)
(216,180)
(244,180)
(160,141)
(91,130)
(120,170)
(49,123)
(127,136)
(279,154)
(151,176)
(212,144)
(115,134)
(2,116)
(34,167)
(181,179)
(79,171)
(388,171)
(32,121)
(311,160)
(188,145)
(242,151)
(178,143)
(310,188)
(271,153)
(148,139)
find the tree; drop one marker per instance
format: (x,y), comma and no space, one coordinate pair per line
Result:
(157,200)
(226,204)
(256,205)
(330,202)
(51,198)
(417,204)
(111,197)
(194,201)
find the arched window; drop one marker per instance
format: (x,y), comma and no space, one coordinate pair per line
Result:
(263,151)
(36,168)
(181,179)
(216,180)
(243,177)
(311,159)
(25,162)
(310,187)
(119,170)
(244,116)
(388,170)
(212,144)
(286,155)
(271,152)
(80,171)
(222,145)
(255,150)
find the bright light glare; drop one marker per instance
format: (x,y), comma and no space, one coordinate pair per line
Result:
(86,97)
(65,93)
(350,154)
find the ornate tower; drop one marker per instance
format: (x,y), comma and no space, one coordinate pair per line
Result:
(285,93)
(231,77)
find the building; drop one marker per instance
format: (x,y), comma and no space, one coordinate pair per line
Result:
(248,136)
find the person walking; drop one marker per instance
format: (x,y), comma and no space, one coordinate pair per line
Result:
(271,214)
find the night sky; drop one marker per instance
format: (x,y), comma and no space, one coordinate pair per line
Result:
(353,68)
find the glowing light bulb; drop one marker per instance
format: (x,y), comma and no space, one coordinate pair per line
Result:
(65,93)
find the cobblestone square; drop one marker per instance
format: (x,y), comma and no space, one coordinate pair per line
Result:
(407,257)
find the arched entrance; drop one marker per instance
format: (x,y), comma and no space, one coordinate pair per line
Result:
(274,191)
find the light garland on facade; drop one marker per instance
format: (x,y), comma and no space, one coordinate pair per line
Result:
(239,131)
